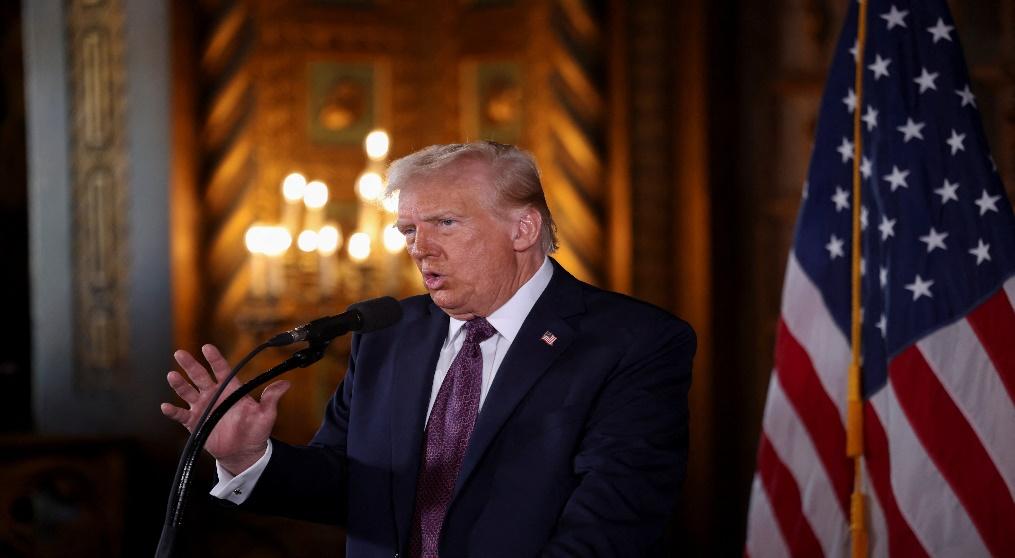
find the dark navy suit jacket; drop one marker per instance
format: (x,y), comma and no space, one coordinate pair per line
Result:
(579,449)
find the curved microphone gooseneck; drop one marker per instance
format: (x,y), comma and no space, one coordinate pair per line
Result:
(181,485)
(364,316)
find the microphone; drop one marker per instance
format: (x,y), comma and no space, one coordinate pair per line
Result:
(365,316)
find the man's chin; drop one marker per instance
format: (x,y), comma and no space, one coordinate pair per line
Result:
(448,306)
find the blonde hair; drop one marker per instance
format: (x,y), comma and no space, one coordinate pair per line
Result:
(514,175)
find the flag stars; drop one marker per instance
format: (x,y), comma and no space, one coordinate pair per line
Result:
(865,168)
(934,240)
(920,287)
(947,192)
(850,100)
(882,276)
(967,96)
(941,31)
(863,218)
(897,178)
(895,17)
(870,118)
(834,247)
(880,67)
(956,142)
(982,252)
(841,199)
(911,130)
(845,149)
(926,80)
(887,228)
(882,326)
(855,51)
(987,203)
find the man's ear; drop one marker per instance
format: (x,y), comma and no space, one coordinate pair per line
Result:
(527,225)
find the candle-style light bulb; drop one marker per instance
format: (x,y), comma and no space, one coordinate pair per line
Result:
(359,246)
(316,195)
(293,187)
(370,186)
(394,240)
(307,241)
(377,144)
(329,239)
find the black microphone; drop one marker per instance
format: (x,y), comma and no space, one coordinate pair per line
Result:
(365,316)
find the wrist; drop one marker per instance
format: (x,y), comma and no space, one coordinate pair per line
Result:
(241,461)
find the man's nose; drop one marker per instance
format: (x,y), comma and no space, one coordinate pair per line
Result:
(422,244)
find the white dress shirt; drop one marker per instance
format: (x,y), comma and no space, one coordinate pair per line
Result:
(507,320)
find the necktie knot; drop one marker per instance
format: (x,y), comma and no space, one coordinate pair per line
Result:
(478,330)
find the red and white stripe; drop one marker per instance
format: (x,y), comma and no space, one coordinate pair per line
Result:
(939,463)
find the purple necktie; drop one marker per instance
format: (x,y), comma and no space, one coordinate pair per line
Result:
(447,436)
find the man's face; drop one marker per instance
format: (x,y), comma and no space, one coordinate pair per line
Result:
(460,243)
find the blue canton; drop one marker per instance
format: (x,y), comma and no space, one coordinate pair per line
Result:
(939,233)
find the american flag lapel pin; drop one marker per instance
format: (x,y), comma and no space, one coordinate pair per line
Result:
(549,338)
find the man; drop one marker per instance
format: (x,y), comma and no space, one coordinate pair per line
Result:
(514,411)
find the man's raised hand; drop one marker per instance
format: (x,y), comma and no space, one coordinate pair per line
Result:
(241,437)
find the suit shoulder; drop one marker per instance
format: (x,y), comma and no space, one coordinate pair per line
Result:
(620,311)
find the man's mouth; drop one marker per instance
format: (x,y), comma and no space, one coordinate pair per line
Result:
(432,280)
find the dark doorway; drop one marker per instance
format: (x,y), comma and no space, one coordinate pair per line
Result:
(15,327)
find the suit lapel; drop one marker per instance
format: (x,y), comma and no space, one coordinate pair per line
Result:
(412,379)
(527,359)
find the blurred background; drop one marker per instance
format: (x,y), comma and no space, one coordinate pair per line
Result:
(187,171)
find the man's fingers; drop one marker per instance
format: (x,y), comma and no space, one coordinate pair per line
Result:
(197,373)
(218,363)
(273,393)
(175,413)
(182,387)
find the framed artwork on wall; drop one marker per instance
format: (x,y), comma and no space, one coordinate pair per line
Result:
(342,102)
(492,106)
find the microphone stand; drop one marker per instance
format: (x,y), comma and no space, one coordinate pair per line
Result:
(181,484)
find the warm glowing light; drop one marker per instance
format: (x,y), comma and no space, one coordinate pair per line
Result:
(294,186)
(329,238)
(316,195)
(390,203)
(394,240)
(255,238)
(307,241)
(370,186)
(276,240)
(377,144)
(359,246)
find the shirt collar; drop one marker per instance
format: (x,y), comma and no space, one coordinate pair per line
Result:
(507,319)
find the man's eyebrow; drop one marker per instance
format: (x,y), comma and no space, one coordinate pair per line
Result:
(437,216)
(430,218)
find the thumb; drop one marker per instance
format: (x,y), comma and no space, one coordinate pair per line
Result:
(273,393)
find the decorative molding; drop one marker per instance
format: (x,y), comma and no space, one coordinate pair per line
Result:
(568,120)
(651,173)
(228,156)
(99,191)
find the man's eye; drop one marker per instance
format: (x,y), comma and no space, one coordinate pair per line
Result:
(446,222)
(406,231)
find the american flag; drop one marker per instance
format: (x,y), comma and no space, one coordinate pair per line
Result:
(938,283)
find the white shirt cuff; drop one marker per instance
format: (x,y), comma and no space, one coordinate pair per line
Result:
(237,489)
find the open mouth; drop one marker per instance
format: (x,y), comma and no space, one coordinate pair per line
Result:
(432,280)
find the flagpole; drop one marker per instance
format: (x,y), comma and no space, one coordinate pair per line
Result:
(854,401)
